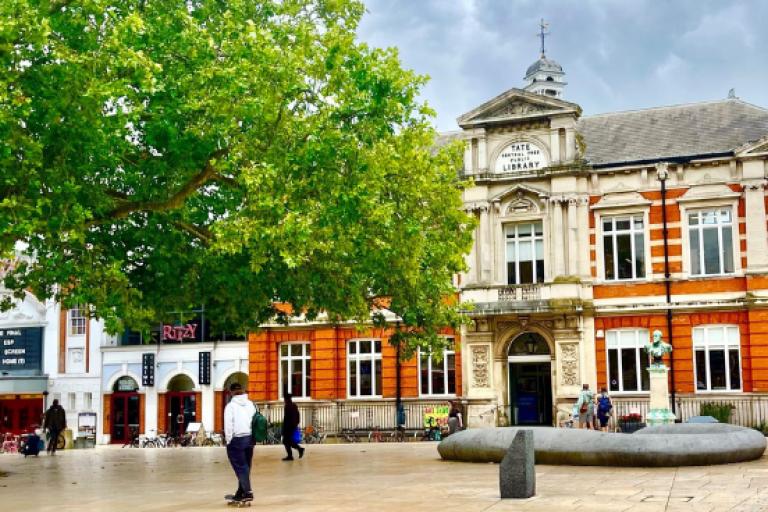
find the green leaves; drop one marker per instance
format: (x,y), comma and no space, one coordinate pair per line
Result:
(158,156)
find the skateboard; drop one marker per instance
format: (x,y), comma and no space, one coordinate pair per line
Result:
(231,501)
(238,503)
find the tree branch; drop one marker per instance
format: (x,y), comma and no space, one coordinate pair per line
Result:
(201,232)
(171,203)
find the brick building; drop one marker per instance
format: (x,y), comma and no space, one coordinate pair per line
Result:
(594,231)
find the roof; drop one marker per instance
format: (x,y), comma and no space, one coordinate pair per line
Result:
(544,64)
(696,129)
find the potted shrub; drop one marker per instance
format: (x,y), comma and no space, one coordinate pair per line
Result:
(631,422)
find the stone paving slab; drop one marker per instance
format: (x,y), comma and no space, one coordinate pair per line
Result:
(359,477)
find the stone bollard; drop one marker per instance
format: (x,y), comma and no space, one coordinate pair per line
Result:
(517,474)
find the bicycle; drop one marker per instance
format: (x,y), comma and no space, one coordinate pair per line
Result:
(132,442)
(432,432)
(274,434)
(313,435)
(374,436)
(350,435)
(398,436)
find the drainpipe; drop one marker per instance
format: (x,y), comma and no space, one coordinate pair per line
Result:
(663,173)
(398,397)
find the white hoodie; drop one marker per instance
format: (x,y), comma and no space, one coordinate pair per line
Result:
(237,417)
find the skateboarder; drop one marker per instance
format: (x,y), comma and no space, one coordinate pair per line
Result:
(237,432)
(55,422)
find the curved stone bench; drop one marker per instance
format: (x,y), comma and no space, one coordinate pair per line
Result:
(664,445)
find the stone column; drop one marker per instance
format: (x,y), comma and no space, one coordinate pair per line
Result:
(485,246)
(757,237)
(554,145)
(558,249)
(585,269)
(482,154)
(573,246)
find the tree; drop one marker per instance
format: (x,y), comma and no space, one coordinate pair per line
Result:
(159,155)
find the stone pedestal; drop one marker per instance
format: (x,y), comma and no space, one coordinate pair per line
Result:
(659,412)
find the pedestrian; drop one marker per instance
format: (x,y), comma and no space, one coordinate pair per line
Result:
(238,415)
(604,408)
(55,422)
(585,406)
(291,420)
(455,420)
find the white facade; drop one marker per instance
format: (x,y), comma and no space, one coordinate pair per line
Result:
(70,364)
(229,359)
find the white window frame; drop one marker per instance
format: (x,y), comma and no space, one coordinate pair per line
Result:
(533,239)
(700,205)
(632,232)
(357,357)
(292,360)
(444,364)
(728,345)
(641,359)
(76,321)
(615,211)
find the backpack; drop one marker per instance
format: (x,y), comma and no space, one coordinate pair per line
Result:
(258,427)
(604,405)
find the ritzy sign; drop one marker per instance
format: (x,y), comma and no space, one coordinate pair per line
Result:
(179,332)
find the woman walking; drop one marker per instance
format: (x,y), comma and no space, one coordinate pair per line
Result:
(604,408)
(291,420)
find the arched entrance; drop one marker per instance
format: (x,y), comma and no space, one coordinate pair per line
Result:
(530,380)
(181,404)
(126,409)
(239,377)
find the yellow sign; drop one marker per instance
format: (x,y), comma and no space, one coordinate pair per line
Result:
(434,416)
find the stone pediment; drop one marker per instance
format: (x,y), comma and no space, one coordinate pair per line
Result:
(707,192)
(516,105)
(755,148)
(621,199)
(519,200)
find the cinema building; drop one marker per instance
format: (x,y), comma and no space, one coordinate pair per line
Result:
(47,353)
(594,231)
(175,376)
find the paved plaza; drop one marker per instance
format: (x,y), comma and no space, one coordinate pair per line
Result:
(370,477)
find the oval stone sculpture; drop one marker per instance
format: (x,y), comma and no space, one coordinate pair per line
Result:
(659,446)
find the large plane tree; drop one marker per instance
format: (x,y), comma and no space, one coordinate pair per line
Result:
(162,155)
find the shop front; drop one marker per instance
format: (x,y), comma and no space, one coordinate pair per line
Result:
(125,410)
(22,382)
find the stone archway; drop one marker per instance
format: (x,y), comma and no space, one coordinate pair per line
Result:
(529,380)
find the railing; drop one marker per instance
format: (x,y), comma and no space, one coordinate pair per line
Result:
(520,292)
(746,411)
(333,417)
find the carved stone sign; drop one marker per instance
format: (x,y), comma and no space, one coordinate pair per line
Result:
(569,364)
(480,361)
(520,156)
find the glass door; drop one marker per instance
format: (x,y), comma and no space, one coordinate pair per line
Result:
(125,416)
(530,393)
(182,411)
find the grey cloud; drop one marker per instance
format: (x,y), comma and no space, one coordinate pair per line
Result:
(617,54)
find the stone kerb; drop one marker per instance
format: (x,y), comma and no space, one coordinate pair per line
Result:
(660,446)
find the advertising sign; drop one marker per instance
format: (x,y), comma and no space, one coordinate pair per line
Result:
(204,365)
(148,369)
(437,415)
(21,349)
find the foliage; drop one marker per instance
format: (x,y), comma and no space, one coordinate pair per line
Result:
(720,411)
(631,418)
(160,156)
(762,427)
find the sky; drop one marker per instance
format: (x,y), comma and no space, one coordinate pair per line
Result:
(617,54)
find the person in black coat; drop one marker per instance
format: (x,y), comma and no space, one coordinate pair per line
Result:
(291,421)
(55,422)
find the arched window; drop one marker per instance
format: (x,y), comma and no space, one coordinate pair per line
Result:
(125,384)
(529,344)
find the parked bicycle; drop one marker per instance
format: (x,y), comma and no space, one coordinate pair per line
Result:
(313,435)
(274,434)
(375,436)
(350,435)
(133,439)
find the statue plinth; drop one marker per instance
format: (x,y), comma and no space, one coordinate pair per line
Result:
(659,412)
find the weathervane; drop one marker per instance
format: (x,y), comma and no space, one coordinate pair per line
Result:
(543,32)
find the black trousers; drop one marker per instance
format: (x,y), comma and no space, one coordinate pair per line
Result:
(240,454)
(289,443)
(54,440)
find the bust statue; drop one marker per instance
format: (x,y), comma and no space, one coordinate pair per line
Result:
(657,348)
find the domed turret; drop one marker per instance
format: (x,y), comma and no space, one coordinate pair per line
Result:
(545,76)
